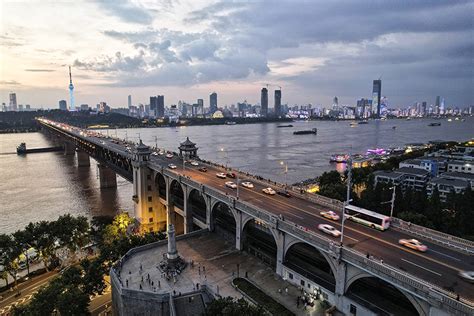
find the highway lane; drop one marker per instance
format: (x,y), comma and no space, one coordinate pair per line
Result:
(439,265)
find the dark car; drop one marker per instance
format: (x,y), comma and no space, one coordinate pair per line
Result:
(203,169)
(284,193)
(230,175)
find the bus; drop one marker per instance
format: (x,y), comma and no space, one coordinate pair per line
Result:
(366,217)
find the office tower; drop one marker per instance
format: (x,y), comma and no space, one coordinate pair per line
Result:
(27,107)
(200,103)
(423,108)
(376,97)
(71,91)
(277,103)
(153,106)
(160,106)
(129,101)
(335,103)
(63,105)
(213,102)
(264,103)
(103,107)
(13,106)
(84,107)
(20,107)
(437,104)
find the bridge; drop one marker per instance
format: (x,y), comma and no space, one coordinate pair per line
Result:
(369,273)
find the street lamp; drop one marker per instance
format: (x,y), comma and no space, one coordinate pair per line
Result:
(285,165)
(236,173)
(392,201)
(348,195)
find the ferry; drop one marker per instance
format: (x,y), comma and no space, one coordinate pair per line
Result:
(353,124)
(363,122)
(339,158)
(306,132)
(289,125)
(435,124)
(230,123)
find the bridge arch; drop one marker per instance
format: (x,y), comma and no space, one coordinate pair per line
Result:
(223,220)
(364,288)
(160,184)
(259,240)
(197,205)
(311,263)
(176,194)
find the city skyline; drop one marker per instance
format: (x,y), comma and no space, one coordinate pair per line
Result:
(141,50)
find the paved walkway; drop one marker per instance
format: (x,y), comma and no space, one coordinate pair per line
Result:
(216,263)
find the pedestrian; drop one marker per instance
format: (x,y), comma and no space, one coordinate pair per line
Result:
(286,290)
(142,278)
(204,268)
(126,282)
(381,261)
(152,283)
(159,284)
(129,272)
(141,287)
(368,256)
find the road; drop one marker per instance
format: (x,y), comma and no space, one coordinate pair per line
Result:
(439,265)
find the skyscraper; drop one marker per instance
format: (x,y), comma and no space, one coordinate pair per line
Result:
(160,107)
(12,105)
(71,92)
(63,105)
(153,105)
(335,103)
(376,96)
(437,104)
(200,109)
(213,102)
(423,108)
(278,103)
(264,103)
(129,101)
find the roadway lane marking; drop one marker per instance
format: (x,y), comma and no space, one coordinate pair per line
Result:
(438,274)
(443,254)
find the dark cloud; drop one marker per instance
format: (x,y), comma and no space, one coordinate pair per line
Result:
(40,70)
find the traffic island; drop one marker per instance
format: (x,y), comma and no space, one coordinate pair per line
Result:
(258,297)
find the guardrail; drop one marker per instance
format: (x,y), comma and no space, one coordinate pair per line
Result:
(434,236)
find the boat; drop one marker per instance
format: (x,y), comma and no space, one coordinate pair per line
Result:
(339,158)
(21,149)
(230,123)
(435,124)
(450,120)
(363,122)
(306,132)
(289,125)
(394,127)
(353,124)
(408,118)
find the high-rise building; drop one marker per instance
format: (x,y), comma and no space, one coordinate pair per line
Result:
(264,103)
(71,91)
(20,107)
(129,101)
(423,108)
(13,106)
(335,103)
(84,107)
(437,104)
(160,106)
(153,105)
(213,102)
(200,103)
(376,97)
(278,103)
(63,105)
(27,107)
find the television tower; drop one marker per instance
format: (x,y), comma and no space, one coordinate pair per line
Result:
(71,92)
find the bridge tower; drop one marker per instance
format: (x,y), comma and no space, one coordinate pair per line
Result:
(141,179)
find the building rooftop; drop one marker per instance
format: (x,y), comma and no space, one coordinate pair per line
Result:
(457,162)
(459,175)
(414,171)
(388,174)
(416,162)
(448,181)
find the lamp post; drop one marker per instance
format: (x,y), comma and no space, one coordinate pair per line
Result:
(285,165)
(236,174)
(348,196)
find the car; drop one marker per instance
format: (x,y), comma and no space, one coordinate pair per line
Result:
(221,175)
(328,229)
(169,155)
(269,191)
(172,166)
(203,169)
(231,185)
(413,244)
(247,184)
(154,153)
(284,193)
(330,214)
(467,276)
(161,153)
(230,175)
(194,163)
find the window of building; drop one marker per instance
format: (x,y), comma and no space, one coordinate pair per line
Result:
(309,285)
(149,199)
(302,282)
(353,310)
(290,275)
(150,209)
(148,176)
(150,219)
(149,188)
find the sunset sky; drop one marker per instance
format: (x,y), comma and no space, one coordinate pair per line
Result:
(186,49)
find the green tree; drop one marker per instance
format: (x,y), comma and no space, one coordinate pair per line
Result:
(10,251)
(93,278)
(24,239)
(330,178)
(227,306)
(72,301)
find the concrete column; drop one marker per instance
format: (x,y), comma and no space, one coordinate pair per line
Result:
(107,177)
(188,216)
(340,285)
(170,215)
(209,222)
(83,159)
(238,230)
(280,242)
(69,148)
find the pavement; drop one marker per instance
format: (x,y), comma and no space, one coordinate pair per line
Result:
(215,264)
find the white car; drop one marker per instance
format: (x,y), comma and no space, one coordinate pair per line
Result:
(467,275)
(161,153)
(169,156)
(269,191)
(413,244)
(248,185)
(330,214)
(154,153)
(328,229)
(231,185)
(172,166)
(194,163)
(221,175)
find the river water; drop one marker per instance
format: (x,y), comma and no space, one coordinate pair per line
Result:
(45,185)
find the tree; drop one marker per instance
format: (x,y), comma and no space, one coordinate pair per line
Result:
(227,306)
(71,232)
(330,178)
(93,278)
(10,251)
(24,239)
(72,301)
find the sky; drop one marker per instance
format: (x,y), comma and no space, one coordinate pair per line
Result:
(186,49)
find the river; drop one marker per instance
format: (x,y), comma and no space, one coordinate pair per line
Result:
(43,186)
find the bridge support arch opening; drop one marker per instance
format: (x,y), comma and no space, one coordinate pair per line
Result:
(160,184)
(197,206)
(258,240)
(176,211)
(383,298)
(310,264)
(223,221)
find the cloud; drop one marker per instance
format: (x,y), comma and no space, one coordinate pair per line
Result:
(127,11)
(9,83)
(40,70)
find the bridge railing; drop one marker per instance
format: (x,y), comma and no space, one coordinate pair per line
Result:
(434,236)
(408,281)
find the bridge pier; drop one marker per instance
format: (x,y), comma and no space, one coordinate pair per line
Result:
(83,159)
(107,177)
(188,216)
(69,148)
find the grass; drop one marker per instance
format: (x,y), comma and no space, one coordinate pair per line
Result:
(261,298)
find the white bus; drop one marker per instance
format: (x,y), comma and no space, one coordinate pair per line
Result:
(366,217)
